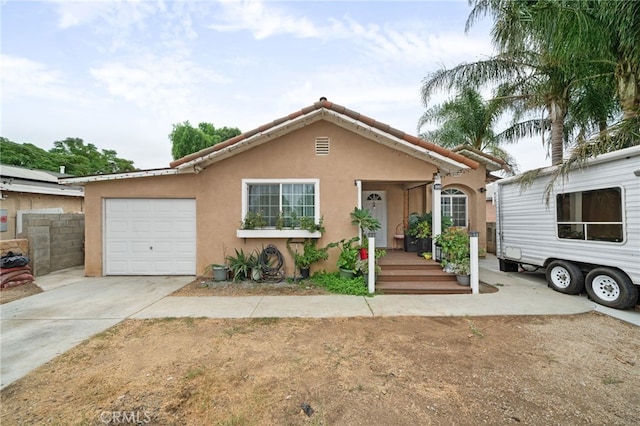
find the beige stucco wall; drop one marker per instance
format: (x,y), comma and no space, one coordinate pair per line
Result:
(469,182)
(15,201)
(217,190)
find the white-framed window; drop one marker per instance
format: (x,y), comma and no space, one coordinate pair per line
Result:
(454,205)
(290,199)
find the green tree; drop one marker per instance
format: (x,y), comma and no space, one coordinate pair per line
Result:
(85,159)
(468,120)
(26,155)
(78,158)
(186,139)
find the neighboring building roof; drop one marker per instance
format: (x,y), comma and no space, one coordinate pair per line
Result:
(22,179)
(343,117)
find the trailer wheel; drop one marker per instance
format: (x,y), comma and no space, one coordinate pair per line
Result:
(611,288)
(565,277)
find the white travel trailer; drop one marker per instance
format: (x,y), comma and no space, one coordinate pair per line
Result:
(586,233)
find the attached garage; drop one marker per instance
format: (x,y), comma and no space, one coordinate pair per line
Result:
(149,236)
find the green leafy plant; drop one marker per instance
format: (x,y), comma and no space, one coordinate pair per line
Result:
(455,247)
(423,230)
(309,223)
(253,220)
(333,283)
(311,253)
(417,224)
(362,265)
(463,267)
(363,219)
(348,254)
(242,263)
(280,221)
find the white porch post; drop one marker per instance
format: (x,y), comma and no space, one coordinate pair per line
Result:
(475,267)
(359,189)
(436,211)
(372,266)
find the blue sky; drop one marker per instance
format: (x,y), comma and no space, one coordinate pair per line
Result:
(120,74)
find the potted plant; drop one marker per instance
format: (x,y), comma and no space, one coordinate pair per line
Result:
(348,257)
(423,236)
(244,265)
(367,223)
(454,243)
(253,220)
(311,253)
(411,232)
(462,270)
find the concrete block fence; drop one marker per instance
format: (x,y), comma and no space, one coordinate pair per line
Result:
(56,241)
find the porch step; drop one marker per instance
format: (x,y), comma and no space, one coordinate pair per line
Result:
(416,275)
(421,287)
(407,273)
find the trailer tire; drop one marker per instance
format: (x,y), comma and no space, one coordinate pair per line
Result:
(565,277)
(612,288)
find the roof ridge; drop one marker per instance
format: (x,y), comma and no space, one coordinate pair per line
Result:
(324,103)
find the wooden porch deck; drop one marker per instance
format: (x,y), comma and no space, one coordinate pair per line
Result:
(406,273)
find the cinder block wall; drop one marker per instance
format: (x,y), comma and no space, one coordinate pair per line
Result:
(56,241)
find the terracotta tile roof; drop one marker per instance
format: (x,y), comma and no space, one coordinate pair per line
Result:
(368,121)
(495,162)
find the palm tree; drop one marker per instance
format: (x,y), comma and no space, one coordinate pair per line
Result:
(528,81)
(550,59)
(468,120)
(597,40)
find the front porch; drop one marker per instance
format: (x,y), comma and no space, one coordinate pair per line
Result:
(407,273)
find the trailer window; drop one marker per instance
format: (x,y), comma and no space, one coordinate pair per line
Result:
(590,215)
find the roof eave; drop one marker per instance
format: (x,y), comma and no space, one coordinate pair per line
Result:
(82,180)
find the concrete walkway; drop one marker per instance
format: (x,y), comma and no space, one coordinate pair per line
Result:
(72,308)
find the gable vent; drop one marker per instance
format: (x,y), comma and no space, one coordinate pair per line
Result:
(322,145)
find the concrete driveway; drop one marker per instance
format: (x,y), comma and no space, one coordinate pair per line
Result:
(36,329)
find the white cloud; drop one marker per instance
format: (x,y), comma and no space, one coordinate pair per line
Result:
(23,77)
(125,24)
(262,22)
(162,84)
(413,41)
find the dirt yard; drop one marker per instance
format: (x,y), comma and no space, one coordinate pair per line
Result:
(572,370)
(14,293)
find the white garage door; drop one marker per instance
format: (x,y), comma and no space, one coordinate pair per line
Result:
(150,237)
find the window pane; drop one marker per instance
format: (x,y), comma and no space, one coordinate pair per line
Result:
(454,205)
(603,205)
(572,232)
(604,232)
(298,198)
(263,198)
(598,211)
(459,210)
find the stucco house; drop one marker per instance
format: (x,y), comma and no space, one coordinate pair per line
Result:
(320,161)
(24,190)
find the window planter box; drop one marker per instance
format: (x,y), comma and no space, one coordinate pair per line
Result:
(277,233)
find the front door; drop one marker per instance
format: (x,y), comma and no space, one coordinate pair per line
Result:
(376,203)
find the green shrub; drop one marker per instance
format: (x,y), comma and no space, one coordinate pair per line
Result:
(334,284)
